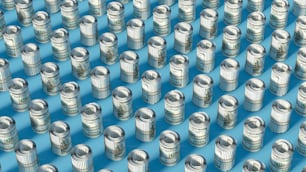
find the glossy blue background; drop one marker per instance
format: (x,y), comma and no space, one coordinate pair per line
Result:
(8,161)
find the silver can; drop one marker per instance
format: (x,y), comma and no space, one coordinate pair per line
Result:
(26,155)
(280,77)
(208,23)
(122,103)
(105,170)
(183,37)
(202,90)
(13,40)
(255,59)
(166,2)
(60,44)
(280,43)
(299,8)
(169,147)
(108,48)
(70,14)
(232,12)
(60,138)
(115,17)
(39,116)
(82,158)
(80,63)
(47,168)
(97,7)
(227,111)
(2,23)
(8,4)
(253,133)
(231,41)
(138,161)
(195,163)
(187,10)
(151,86)
(52,6)
(142,9)
(100,82)
(300,28)
(114,143)
(229,74)
(255,5)
(279,14)
(280,116)
(70,98)
(25,12)
(225,152)
(135,29)
(42,26)
(213,4)
(89,30)
(281,156)
(8,133)
(198,129)
(301,144)
(179,71)
(31,59)
(157,52)
(252,165)
(256,27)
(50,77)
(20,94)
(300,106)
(162,20)
(205,60)
(254,94)
(129,66)
(300,65)
(91,114)
(145,124)
(174,108)
(5,74)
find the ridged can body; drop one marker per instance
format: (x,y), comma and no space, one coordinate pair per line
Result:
(129,66)
(157,52)
(300,106)
(138,161)
(169,147)
(195,163)
(213,4)
(187,10)
(100,82)
(255,59)
(299,8)
(300,64)
(225,152)
(31,59)
(26,156)
(39,116)
(80,63)
(52,6)
(280,116)
(183,37)
(279,14)
(50,77)
(232,12)
(255,5)
(60,44)
(122,103)
(8,4)
(13,40)
(8,133)
(25,12)
(252,165)
(231,41)
(179,71)
(70,98)
(89,30)
(2,23)
(135,29)
(281,156)
(202,90)
(301,143)
(205,60)
(253,133)
(42,26)
(227,111)
(254,94)
(92,125)
(82,158)
(114,143)
(115,17)
(20,94)
(256,27)
(208,23)
(145,124)
(280,43)
(162,20)
(167,2)
(198,129)
(142,9)
(300,31)
(5,74)
(229,74)
(174,112)
(97,7)
(108,48)
(280,77)
(47,168)
(70,14)
(60,138)
(151,86)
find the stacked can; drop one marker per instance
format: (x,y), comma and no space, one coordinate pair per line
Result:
(26,155)
(25,12)
(252,165)
(47,168)
(300,106)
(179,71)
(145,124)
(50,77)
(195,163)
(227,111)
(105,170)
(213,4)
(42,26)
(2,23)
(31,59)
(114,143)
(300,65)
(115,16)
(231,41)
(129,66)
(122,103)
(151,86)
(229,74)
(70,98)
(162,20)
(138,161)
(169,147)
(157,52)
(255,59)
(100,82)
(255,5)
(108,48)
(280,116)
(60,138)
(225,152)
(279,14)
(187,10)
(299,8)
(142,9)
(232,12)
(89,30)
(174,107)
(205,60)
(8,133)
(253,133)
(208,23)
(20,94)
(52,6)
(82,158)
(70,14)
(254,94)
(97,7)
(135,29)
(39,116)
(13,40)
(301,144)
(80,63)
(198,129)
(91,114)
(8,4)
(280,77)
(281,156)
(5,74)
(202,90)
(279,45)
(256,27)
(300,28)
(183,37)
(60,44)
(166,2)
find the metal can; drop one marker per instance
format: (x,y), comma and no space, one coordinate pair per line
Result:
(232,12)
(114,143)
(5,74)
(122,103)
(70,98)
(279,14)
(20,94)
(255,5)
(299,8)
(253,133)
(8,133)
(300,28)
(280,116)
(157,52)
(301,144)
(202,90)
(280,77)
(80,63)
(179,71)
(13,40)
(254,94)
(255,59)
(60,44)
(231,41)
(195,163)
(91,114)
(26,155)
(225,152)
(42,26)
(70,14)
(208,23)
(97,7)
(135,29)
(138,161)
(142,9)
(25,12)
(2,23)
(115,17)
(300,65)
(212,4)
(52,6)
(50,77)
(8,4)
(145,124)
(256,27)
(105,170)
(183,37)
(89,30)
(162,20)
(187,10)
(166,2)
(100,82)
(31,59)
(300,106)
(82,158)
(281,156)
(205,60)
(280,43)
(198,129)
(169,147)
(227,111)
(108,48)
(129,66)
(174,112)
(60,138)
(151,86)
(252,165)
(47,168)
(229,74)
(39,116)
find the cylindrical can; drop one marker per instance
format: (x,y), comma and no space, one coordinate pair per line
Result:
(253,133)
(105,170)
(227,111)
(301,144)
(145,124)
(80,63)
(179,71)
(300,65)
(13,40)
(157,52)
(151,86)
(255,59)
(299,8)
(187,10)
(108,48)
(142,9)
(70,14)
(256,27)
(202,90)
(232,12)
(8,134)
(129,66)
(26,155)
(115,16)
(8,4)
(252,165)
(91,114)
(195,163)
(280,77)
(299,31)
(122,103)
(255,5)
(100,82)
(5,74)
(20,94)
(97,7)
(60,44)
(2,23)
(169,147)
(281,156)
(114,143)
(280,116)
(138,161)
(231,41)
(42,26)
(183,37)
(135,29)
(52,6)
(162,20)
(279,14)
(254,94)
(39,116)
(70,98)
(174,113)
(280,43)
(82,158)
(31,59)
(208,23)
(300,106)
(198,129)
(60,138)
(213,4)
(89,30)
(166,2)
(47,168)
(225,152)
(25,12)
(50,77)
(229,74)
(205,60)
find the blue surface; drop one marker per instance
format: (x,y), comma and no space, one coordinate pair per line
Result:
(8,160)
